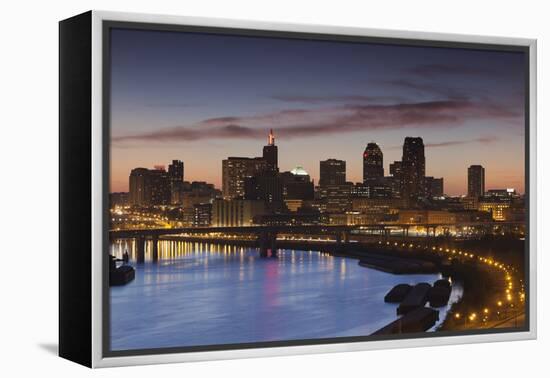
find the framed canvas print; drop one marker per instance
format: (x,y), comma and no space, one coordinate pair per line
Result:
(232,189)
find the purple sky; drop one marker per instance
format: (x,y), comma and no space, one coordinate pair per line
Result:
(201,98)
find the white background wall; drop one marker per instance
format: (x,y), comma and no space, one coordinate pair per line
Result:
(28,127)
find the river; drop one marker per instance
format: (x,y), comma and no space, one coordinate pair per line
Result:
(201,294)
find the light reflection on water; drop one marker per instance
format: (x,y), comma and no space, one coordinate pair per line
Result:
(205,294)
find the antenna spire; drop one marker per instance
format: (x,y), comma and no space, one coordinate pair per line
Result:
(271,138)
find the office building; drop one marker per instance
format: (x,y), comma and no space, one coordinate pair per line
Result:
(373,163)
(270,154)
(297,184)
(175,171)
(336,198)
(227,213)
(149,187)
(476,181)
(235,170)
(332,172)
(202,215)
(434,187)
(413,169)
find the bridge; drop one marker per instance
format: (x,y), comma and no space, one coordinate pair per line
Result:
(267,235)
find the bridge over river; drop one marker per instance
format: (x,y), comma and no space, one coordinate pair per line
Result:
(266,236)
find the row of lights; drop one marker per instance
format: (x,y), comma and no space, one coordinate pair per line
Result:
(506,269)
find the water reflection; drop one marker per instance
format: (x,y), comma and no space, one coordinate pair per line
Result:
(204,294)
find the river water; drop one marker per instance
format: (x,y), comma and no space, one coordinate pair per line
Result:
(201,294)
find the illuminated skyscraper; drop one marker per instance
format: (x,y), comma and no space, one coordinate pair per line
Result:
(175,171)
(270,153)
(413,169)
(175,175)
(476,181)
(235,171)
(149,187)
(373,163)
(139,194)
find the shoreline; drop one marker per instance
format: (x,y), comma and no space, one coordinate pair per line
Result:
(479,282)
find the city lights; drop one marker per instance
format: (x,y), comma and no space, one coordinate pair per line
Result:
(335,214)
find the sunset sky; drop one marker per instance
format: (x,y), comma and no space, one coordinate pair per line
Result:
(202,97)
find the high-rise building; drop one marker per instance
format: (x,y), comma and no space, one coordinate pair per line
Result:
(138,186)
(373,163)
(149,187)
(434,186)
(336,198)
(235,170)
(476,181)
(267,187)
(175,171)
(375,189)
(395,169)
(197,192)
(160,187)
(297,185)
(270,153)
(175,175)
(332,172)
(395,179)
(413,169)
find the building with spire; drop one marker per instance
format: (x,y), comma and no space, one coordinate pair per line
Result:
(254,178)
(270,153)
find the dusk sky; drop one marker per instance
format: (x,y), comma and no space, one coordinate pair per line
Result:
(202,97)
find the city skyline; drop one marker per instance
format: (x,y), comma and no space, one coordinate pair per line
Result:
(271,142)
(249,174)
(327,98)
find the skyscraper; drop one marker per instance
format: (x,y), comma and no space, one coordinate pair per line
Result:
(270,153)
(235,170)
(266,187)
(149,187)
(297,184)
(476,181)
(373,163)
(138,186)
(434,186)
(332,172)
(175,171)
(175,175)
(413,168)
